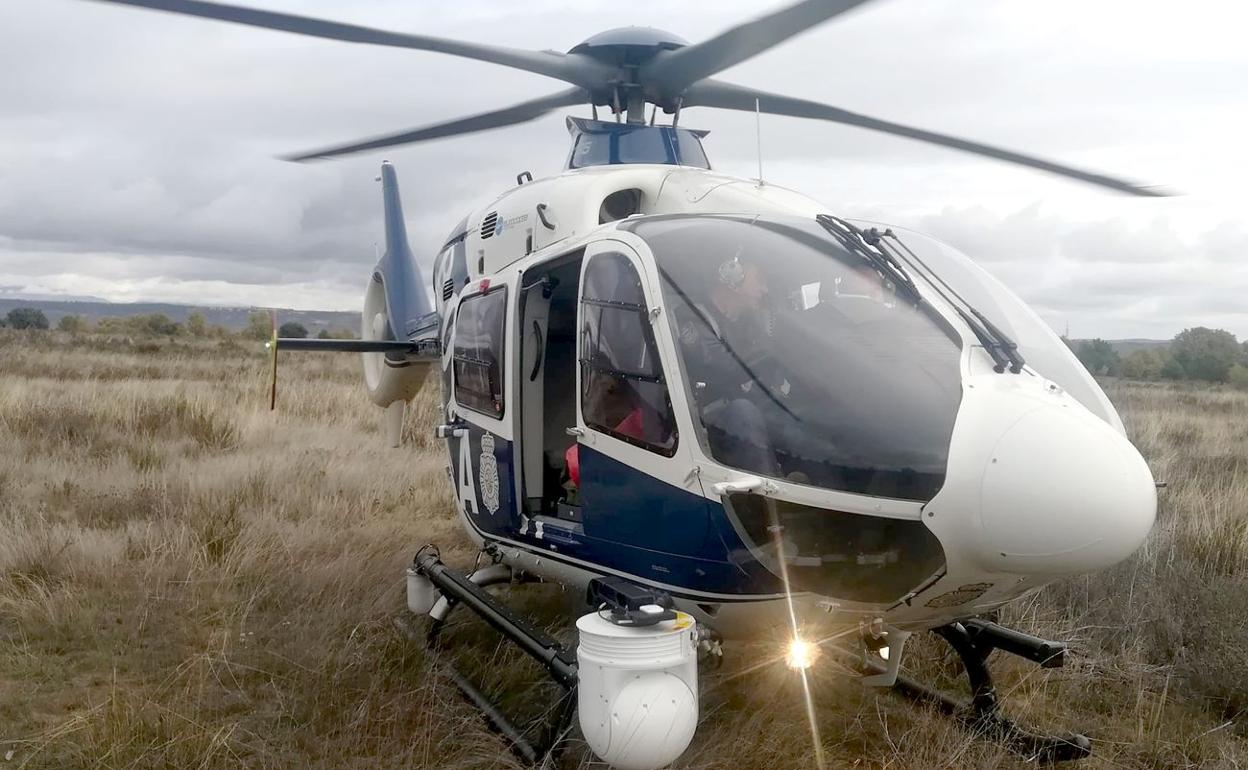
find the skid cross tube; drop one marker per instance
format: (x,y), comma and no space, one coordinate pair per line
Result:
(988,635)
(540,646)
(533,641)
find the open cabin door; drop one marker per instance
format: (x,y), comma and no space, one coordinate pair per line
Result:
(482,407)
(547,386)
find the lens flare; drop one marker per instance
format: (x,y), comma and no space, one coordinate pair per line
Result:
(801,654)
(805,650)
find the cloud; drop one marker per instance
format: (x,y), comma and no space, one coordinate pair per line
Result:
(137,149)
(1027,234)
(1107,277)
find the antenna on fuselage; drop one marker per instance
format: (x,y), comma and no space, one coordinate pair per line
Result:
(758,133)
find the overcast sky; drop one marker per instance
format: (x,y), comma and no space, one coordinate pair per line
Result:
(137,148)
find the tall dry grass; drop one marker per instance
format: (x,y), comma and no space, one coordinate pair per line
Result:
(190,580)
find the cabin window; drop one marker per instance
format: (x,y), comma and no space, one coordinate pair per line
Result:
(478,357)
(623,391)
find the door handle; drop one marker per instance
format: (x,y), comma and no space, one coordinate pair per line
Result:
(750,485)
(456,429)
(574,431)
(540,351)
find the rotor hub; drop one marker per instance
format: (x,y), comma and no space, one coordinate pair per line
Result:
(629,45)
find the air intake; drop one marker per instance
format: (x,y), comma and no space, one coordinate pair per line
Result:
(448,289)
(489,224)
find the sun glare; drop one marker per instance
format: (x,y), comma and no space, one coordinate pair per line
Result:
(801,654)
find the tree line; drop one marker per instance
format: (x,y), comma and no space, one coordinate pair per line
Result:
(1200,353)
(259,326)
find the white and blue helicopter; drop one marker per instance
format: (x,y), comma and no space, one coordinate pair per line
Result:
(719,408)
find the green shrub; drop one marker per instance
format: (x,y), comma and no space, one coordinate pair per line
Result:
(1205,354)
(74,324)
(1238,376)
(27,318)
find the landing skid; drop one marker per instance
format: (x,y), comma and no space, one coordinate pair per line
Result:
(973,641)
(559,663)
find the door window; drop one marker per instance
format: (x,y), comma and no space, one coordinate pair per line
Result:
(478,357)
(623,391)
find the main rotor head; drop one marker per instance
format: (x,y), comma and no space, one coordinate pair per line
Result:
(629,45)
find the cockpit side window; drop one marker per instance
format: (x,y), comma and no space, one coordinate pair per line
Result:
(623,390)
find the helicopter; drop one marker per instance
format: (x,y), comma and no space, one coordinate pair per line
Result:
(718,409)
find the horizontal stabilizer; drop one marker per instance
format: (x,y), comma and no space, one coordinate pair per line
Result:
(425,348)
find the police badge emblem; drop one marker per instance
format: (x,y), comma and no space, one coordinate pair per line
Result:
(488,474)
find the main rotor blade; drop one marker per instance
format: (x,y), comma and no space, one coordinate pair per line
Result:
(713,93)
(517,113)
(569,68)
(673,71)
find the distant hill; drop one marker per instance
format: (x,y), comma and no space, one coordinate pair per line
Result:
(229,317)
(313,320)
(11,292)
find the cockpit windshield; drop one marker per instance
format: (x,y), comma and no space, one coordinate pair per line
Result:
(802,361)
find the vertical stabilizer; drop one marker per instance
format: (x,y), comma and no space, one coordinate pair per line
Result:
(407,301)
(396,307)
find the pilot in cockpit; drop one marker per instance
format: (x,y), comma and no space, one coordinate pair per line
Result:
(727,337)
(727,333)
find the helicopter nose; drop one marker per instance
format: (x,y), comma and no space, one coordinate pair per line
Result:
(1061,492)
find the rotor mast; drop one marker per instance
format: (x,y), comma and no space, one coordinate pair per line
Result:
(636,106)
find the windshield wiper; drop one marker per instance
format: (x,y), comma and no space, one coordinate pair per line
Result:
(870,245)
(1002,349)
(1004,345)
(866,244)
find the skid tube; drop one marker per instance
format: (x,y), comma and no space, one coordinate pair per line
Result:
(973,640)
(558,661)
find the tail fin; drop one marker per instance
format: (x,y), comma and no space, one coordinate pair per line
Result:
(407,301)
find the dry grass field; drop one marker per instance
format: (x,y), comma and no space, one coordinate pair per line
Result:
(190,581)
